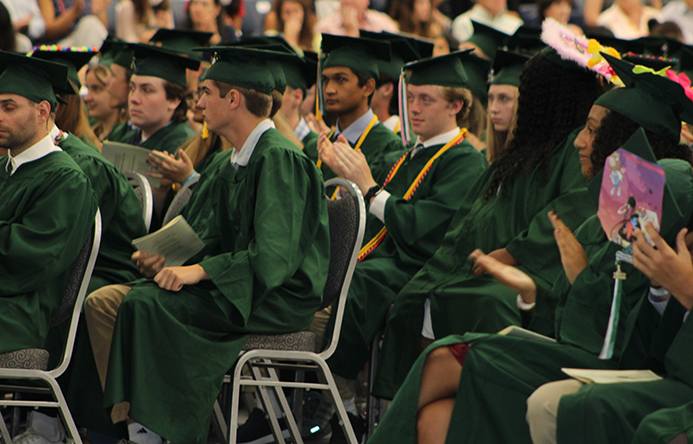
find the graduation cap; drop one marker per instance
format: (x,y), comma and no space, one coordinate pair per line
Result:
(487,39)
(240,66)
(154,61)
(279,55)
(116,51)
(477,70)
(182,40)
(424,47)
(620,45)
(73,58)
(404,50)
(355,53)
(507,67)
(660,46)
(302,72)
(525,40)
(656,63)
(31,77)
(685,64)
(650,100)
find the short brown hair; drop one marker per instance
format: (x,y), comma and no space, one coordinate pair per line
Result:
(173,92)
(451,95)
(258,104)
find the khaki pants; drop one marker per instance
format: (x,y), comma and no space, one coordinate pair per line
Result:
(542,409)
(100,311)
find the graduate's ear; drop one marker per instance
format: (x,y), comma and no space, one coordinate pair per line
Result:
(234,98)
(369,87)
(456,106)
(43,111)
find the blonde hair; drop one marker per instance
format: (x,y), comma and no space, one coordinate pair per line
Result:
(475,121)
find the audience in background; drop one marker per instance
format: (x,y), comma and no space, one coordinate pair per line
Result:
(294,20)
(492,13)
(681,13)
(74,22)
(415,17)
(207,16)
(138,20)
(353,16)
(629,19)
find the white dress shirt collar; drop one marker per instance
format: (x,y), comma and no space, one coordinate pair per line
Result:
(41,149)
(240,159)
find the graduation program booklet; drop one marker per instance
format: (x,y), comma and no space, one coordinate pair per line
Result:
(519,332)
(175,241)
(589,376)
(128,158)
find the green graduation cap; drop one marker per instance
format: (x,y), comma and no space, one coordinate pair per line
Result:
(404,50)
(660,46)
(355,53)
(157,62)
(507,67)
(424,47)
(301,72)
(74,58)
(525,40)
(553,56)
(685,64)
(656,63)
(445,70)
(278,55)
(116,51)
(182,40)
(240,66)
(477,70)
(488,39)
(654,102)
(31,77)
(620,45)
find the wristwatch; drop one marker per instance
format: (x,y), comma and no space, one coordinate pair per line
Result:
(372,191)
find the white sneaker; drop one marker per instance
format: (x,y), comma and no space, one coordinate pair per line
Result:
(140,434)
(41,429)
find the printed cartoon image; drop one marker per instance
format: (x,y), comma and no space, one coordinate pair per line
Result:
(616,174)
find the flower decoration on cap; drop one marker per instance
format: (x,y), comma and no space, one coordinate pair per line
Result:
(682,79)
(585,52)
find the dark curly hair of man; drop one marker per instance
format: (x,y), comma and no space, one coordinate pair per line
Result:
(553,102)
(614,131)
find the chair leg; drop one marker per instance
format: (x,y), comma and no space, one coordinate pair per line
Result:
(269,408)
(219,422)
(5,434)
(289,417)
(339,405)
(64,411)
(374,405)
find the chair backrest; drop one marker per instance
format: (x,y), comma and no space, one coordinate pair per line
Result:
(144,193)
(76,290)
(182,197)
(347,224)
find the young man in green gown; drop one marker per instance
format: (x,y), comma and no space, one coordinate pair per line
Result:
(440,167)
(348,75)
(48,204)
(185,328)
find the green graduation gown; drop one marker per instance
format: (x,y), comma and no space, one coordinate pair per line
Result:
(415,230)
(267,278)
(376,145)
(121,215)
(121,132)
(121,218)
(611,413)
(310,138)
(515,218)
(47,211)
(500,372)
(169,138)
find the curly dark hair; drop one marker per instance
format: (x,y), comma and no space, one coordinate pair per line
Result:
(615,129)
(553,102)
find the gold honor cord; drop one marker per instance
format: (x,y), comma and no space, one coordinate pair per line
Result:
(398,126)
(373,243)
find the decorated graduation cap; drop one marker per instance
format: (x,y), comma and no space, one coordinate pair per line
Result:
(154,61)
(31,77)
(182,40)
(487,39)
(446,70)
(73,58)
(404,50)
(507,67)
(116,51)
(656,63)
(651,99)
(685,64)
(620,45)
(576,51)
(240,66)
(660,46)
(355,53)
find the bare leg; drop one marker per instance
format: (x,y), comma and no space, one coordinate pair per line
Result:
(434,420)
(440,377)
